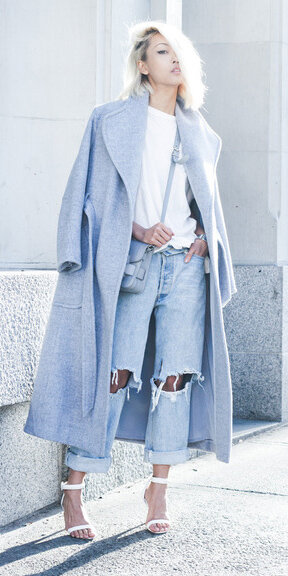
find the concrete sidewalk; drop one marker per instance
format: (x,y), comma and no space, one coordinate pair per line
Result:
(227,519)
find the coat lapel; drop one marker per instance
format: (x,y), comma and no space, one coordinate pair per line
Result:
(124,135)
(202,145)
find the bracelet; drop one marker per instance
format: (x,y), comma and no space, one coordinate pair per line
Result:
(201,237)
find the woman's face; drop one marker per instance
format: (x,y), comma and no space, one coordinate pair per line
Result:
(160,63)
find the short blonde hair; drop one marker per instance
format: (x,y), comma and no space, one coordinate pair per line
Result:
(192,90)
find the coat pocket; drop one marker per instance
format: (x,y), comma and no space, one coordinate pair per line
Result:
(69,290)
(69,287)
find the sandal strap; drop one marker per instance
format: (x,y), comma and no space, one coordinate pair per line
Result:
(65,486)
(159,480)
(157,521)
(80,527)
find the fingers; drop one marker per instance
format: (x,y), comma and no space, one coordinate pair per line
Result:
(196,248)
(166,229)
(189,255)
(164,232)
(161,234)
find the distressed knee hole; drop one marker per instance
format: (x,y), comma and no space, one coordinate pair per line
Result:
(178,383)
(172,383)
(119,379)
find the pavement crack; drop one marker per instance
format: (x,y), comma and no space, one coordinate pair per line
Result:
(242,491)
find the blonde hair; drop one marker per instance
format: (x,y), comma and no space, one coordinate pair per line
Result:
(192,90)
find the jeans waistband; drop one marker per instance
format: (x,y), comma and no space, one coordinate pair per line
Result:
(172,250)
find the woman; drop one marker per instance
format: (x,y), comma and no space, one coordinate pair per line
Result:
(88,388)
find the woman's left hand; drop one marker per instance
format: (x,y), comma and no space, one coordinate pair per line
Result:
(199,246)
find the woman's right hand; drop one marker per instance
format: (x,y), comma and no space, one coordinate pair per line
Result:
(158,234)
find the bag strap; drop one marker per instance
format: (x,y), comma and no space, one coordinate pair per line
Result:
(174,159)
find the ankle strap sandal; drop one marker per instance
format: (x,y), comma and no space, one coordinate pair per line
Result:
(158,480)
(65,486)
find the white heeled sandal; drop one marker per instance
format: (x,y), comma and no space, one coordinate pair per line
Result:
(65,486)
(156,520)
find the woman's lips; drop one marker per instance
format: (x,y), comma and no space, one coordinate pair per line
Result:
(176,70)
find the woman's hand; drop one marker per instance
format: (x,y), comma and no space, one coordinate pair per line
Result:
(157,235)
(199,247)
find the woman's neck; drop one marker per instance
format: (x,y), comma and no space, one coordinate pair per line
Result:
(165,102)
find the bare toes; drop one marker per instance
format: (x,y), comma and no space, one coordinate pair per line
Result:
(163,526)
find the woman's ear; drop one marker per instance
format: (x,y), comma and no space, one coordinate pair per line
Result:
(141,67)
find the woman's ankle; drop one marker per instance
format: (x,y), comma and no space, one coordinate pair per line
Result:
(161,470)
(75,477)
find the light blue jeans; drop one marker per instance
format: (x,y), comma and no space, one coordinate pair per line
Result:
(175,292)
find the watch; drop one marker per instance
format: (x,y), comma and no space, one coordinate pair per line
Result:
(202,237)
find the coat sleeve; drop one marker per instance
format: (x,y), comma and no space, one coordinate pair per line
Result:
(70,216)
(225,266)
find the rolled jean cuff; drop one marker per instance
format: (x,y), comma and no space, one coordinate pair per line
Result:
(174,457)
(86,464)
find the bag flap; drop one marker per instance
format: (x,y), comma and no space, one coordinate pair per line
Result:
(137,249)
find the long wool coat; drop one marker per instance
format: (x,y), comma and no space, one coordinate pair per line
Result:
(70,401)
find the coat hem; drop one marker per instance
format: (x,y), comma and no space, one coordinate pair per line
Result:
(48,437)
(207,445)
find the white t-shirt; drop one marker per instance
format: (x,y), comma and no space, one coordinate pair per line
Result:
(156,158)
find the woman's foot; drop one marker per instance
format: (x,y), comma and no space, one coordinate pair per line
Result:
(74,514)
(155,495)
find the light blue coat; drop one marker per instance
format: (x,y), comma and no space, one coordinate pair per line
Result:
(70,400)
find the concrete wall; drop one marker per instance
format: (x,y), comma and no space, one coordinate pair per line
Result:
(244,48)
(48,77)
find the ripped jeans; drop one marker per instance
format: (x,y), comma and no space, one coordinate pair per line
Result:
(175,292)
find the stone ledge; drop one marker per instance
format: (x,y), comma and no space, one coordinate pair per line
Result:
(243,429)
(25,302)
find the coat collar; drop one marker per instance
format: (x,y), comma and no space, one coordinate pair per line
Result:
(124,135)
